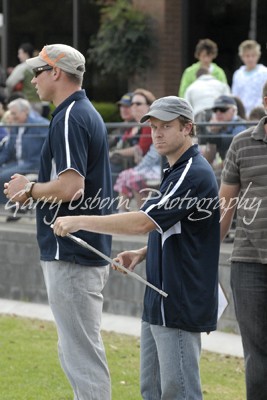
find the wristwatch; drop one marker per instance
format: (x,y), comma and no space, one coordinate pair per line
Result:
(28,189)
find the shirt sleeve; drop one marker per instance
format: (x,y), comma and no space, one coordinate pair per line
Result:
(186,80)
(16,76)
(230,173)
(220,74)
(71,144)
(235,88)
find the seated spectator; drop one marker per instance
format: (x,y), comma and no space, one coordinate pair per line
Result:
(249,79)
(220,136)
(21,153)
(115,137)
(19,79)
(202,93)
(135,141)
(206,51)
(257,113)
(131,182)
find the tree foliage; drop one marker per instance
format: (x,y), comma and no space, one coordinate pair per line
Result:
(123,43)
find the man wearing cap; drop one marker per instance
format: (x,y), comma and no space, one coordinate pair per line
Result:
(181,255)
(125,107)
(126,115)
(224,110)
(74,168)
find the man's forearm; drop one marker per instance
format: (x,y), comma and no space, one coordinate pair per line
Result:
(226,222)
(229,198)
(132,223)
(68,186)
(54,191)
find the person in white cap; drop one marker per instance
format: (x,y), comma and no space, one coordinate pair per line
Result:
(74,168)
(181,255)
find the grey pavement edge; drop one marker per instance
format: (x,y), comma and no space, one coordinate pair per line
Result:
(218,342)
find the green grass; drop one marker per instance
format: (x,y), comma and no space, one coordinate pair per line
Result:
(30,369)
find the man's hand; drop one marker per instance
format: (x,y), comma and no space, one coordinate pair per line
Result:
(15,188)
(64,225)
(129,259)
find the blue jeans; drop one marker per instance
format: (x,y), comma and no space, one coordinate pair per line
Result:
(74,294)
(169,363)
(249,286)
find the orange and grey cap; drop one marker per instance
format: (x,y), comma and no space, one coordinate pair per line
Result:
(59,55)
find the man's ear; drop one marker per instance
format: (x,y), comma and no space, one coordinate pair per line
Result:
(56,72)
(188,128)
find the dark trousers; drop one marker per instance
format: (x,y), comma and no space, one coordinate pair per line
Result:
(249,286)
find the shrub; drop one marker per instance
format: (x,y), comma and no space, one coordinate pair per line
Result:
(108,111)
(124,41)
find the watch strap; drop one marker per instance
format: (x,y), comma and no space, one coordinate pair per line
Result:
(29,192)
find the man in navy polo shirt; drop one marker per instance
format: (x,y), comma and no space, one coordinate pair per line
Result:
(181,255)
(74,168)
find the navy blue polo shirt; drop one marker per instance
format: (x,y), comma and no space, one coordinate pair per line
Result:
(183,253)
(77,140)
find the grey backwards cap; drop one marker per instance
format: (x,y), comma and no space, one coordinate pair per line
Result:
(169,108)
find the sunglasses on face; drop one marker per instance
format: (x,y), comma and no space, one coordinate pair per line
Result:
(39,70)
(222,110)
(137,103)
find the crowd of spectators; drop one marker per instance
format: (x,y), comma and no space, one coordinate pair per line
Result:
(134,162)
(221,111)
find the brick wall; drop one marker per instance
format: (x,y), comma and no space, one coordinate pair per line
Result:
(164,77)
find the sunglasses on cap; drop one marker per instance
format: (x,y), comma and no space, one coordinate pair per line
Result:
(221,109)
(39,70)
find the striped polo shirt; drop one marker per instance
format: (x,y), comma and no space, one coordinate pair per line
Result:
(246,165)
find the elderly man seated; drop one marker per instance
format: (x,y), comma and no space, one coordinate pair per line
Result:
(21,153)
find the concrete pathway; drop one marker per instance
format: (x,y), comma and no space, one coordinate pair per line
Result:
(218,342)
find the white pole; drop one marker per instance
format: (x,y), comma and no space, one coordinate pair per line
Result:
(253,20)
(121,267)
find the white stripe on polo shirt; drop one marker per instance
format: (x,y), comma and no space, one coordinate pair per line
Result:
(66,124)
(172,191)
(173,230)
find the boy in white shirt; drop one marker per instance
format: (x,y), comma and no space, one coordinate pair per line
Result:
(249,79)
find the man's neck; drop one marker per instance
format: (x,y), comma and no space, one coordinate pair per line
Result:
(61,96)
(172,159)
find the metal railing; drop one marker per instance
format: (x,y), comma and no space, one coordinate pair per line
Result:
(120,127)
